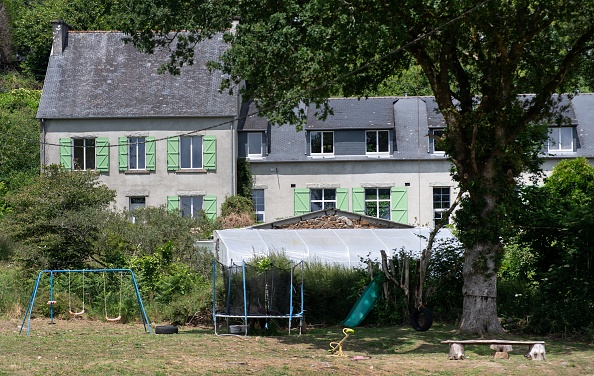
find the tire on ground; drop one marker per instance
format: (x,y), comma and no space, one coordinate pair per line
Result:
(166,329)
(414,319)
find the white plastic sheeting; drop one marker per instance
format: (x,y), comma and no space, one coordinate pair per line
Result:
(343,246)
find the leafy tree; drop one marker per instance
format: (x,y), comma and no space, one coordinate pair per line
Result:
(19,135)
(152,228)
(553,253)
(236,211)
(478,57)
(32,28)
(55,220)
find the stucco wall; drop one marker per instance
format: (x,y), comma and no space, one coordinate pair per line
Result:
(279,180)
(155,185)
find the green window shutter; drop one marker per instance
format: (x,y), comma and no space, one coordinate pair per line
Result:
(150,153)
(399,208)
(359,200)
(301,201)
(210,152)
(173,203)
(173,153)
(102,154)
(342,199)
(209,204)
(66,153)
(123,153)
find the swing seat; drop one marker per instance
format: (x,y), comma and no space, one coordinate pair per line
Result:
(76,313)
(50,302)
(113,319)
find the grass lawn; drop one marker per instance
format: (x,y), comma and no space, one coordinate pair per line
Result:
(79,346)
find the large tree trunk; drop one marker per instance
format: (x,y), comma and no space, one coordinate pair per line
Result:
(479,312)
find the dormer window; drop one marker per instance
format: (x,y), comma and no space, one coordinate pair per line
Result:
(435,134)
(254,145)
(321,143)
(560,140)
(377,142)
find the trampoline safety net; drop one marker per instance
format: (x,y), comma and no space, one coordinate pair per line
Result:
(251,291)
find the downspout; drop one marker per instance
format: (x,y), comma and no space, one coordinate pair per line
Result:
(233,164)
(42,151)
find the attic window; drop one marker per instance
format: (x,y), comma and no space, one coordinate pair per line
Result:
(561,140)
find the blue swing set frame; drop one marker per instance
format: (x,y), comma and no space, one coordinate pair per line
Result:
(29,311)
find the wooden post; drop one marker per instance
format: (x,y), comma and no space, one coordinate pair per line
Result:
(456,351)
(536,352)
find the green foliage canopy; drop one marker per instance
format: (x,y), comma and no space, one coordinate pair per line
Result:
(55,220)
(19,135)
(552,255)
(478,57)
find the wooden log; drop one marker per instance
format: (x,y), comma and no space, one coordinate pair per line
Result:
(501,348)
(456,351)
(501,355)
(536,352)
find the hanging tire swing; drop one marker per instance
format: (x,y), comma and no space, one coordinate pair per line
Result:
(423,315)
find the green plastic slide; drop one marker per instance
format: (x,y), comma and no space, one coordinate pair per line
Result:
(365,303)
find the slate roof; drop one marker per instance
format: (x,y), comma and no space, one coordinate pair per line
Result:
(410,117)
(353,113)
(98,76)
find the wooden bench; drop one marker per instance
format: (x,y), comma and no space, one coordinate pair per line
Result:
(536,349)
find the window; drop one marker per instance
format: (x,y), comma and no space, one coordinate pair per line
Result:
(560,139)
(191,152)
(254,144)
(322,199)
(136,153)
(386,203)
(190,155)
(190,206)
(321,142)
(258,199)
(306,200)
(85,153)
(441,202)
(435,135)
(377,142)
(377,202)
(135,203)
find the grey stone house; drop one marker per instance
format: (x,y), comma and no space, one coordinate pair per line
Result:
(374,156)
(157,139)
(160,139)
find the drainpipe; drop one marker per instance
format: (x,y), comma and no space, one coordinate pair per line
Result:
(42,151)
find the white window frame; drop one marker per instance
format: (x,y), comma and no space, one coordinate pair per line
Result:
(193,165)
(321,152)
(377,142)
(325,203)
(191,202)
(137,153)
(557,142)
(135,205)
(377,202)
(440,206)
(254,153)
(259,205)
(435,132)
(86,151)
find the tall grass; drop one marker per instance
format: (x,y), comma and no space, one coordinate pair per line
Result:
(15,291)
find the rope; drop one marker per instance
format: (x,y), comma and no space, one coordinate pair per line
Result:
(105,300)
(70,297)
